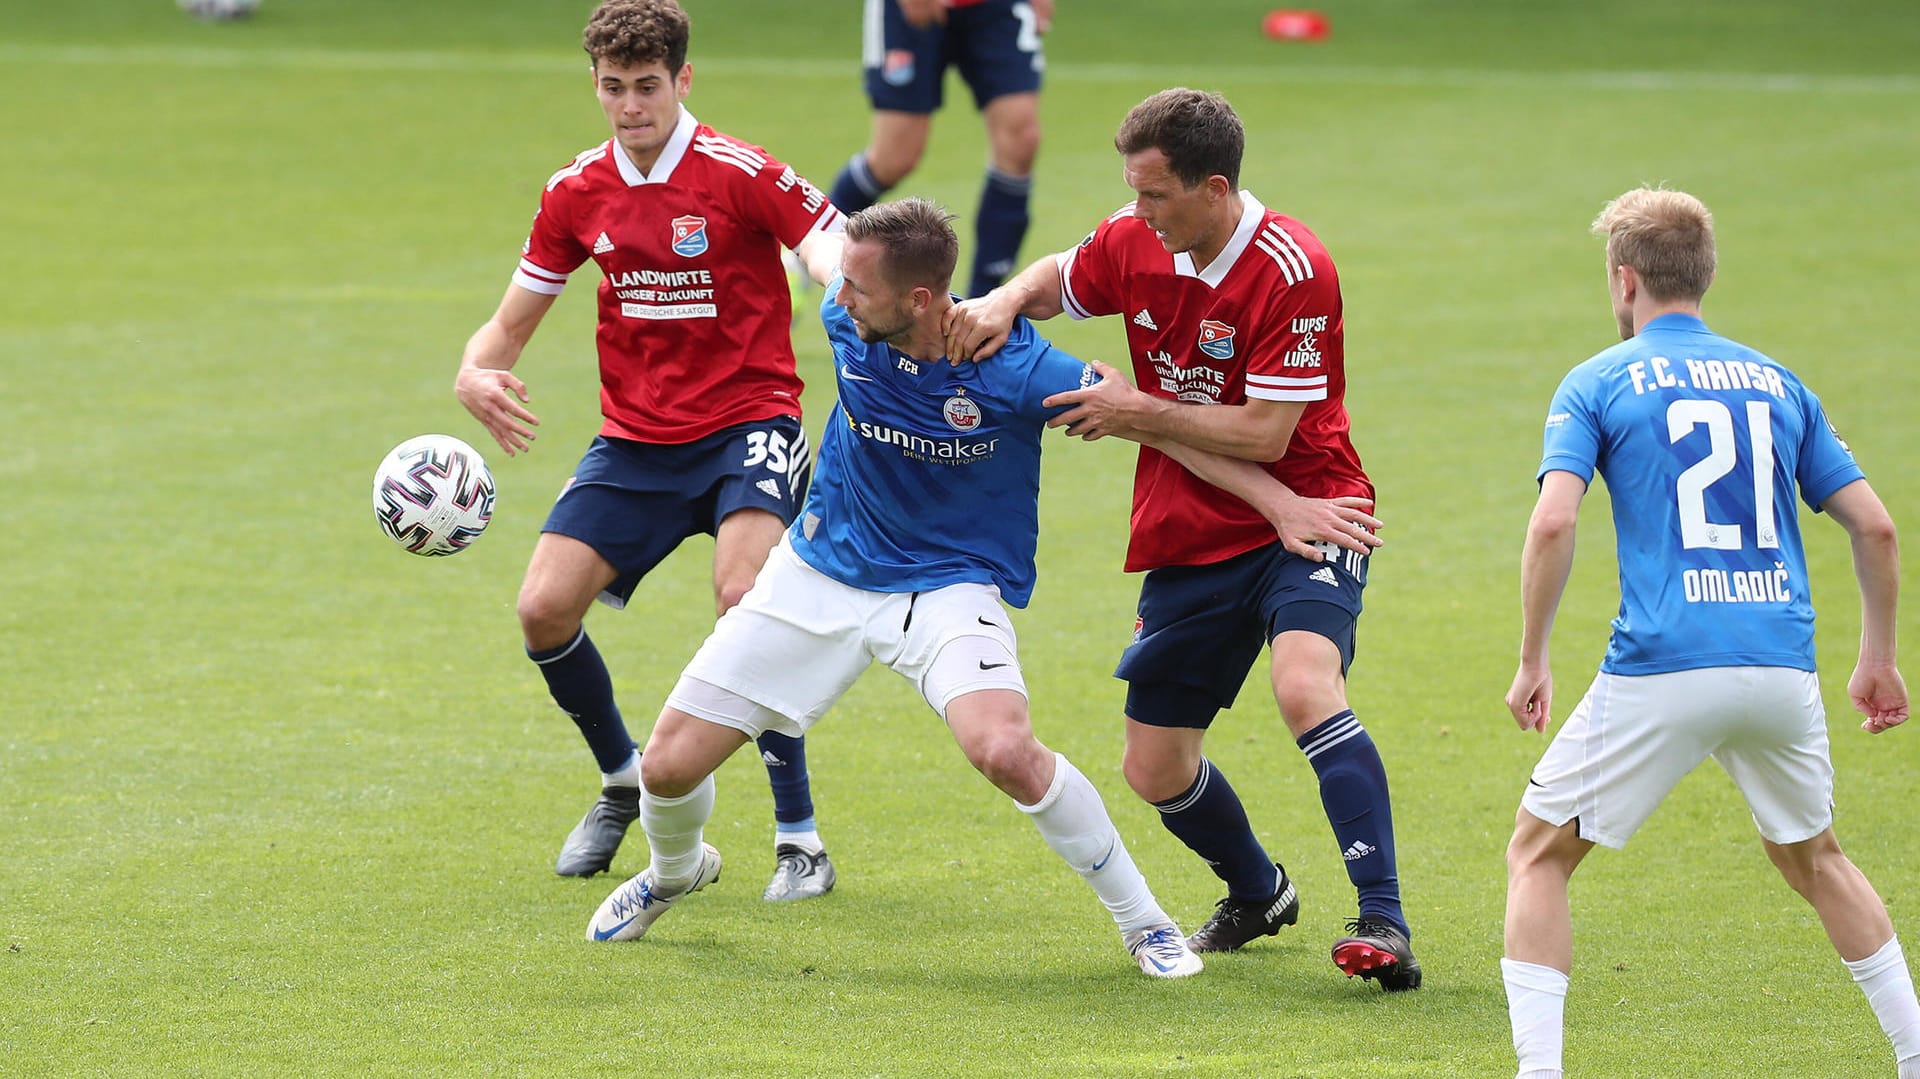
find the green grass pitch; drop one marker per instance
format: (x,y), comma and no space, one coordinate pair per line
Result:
(278,799)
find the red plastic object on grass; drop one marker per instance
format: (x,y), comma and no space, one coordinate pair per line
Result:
(1293,24)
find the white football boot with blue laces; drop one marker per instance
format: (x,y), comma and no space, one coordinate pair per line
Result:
(633,907)
(1162,952)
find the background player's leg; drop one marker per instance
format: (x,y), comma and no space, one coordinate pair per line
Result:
(1856,922)
(1013,142)
(801,867)
(894,150)
(1539,939)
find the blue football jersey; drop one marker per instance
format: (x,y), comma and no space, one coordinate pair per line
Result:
(929,474)
(1702,442)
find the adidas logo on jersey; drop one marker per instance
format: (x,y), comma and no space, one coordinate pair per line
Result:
(1359,850)
(771,487)
(602,245)
(1325,576)
(1146,320)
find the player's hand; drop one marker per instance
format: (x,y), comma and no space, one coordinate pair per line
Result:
(1102,409)
(976,328)
(1879,693)
(497,399)
(1307,525)
(1531,698)
(921,14)
(1042,15)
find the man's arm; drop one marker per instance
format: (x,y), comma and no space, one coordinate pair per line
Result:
(1545,564)
(820,252)
(1877,690)
(485,383)
(977,328)
(1258,430)
(1299,522)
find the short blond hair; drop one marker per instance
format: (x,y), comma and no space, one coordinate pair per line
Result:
(1665,235)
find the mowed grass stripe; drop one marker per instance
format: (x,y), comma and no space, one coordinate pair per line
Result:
(806,67)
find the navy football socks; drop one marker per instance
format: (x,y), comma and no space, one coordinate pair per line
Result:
(577,677)
(1353,788)
(855,189)
(786,761)
(998,229)
(1209,819)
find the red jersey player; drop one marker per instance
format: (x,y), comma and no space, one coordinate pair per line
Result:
(1233,316)
(701,400)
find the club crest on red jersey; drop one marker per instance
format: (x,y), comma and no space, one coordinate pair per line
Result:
(689,236)
(1216,339)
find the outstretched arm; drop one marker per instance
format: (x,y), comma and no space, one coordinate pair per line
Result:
(485,383)
(1258,430)
(977,328)
(820,252)
(1545,564)
(1877,690)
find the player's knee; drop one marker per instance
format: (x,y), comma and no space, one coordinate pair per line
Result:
(890,164)
(728,594)
(1016,148)
(1155,778)
(1306,697)
(664,772)
(545,622)
(1012,761)
(1808,867)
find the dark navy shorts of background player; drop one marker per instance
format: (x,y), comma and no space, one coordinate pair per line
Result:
(983,41)
(634,502)
(1202,627)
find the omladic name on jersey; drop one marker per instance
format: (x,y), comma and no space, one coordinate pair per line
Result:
(1702,442)
(929,474)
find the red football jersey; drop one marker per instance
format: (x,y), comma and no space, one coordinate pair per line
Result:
(694,308)
(1262,320)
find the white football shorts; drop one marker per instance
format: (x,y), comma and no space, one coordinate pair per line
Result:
(798,639)
(1633,737)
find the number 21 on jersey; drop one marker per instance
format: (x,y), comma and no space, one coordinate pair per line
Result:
(1690,487)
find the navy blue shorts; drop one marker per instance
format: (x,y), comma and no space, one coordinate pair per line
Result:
(995,45)
(1200,628)
(634,502)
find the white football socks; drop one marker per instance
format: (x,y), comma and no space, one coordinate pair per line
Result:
(673,827)
(1536,1005)
(808,840)
(1884,978)
(627,775)
(1074,822)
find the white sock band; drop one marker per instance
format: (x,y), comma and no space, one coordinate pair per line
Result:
(1074,822)
(673,827)
(1536,1006)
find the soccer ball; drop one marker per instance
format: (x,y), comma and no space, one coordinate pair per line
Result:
(219,10)
(433,495)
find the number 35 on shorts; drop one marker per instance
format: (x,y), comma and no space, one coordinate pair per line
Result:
(766,448)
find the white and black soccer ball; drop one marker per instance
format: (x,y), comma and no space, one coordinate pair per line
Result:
(219,10)
(433,495)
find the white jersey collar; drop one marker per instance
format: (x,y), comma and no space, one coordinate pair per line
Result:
(1251,211)
(670,154)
